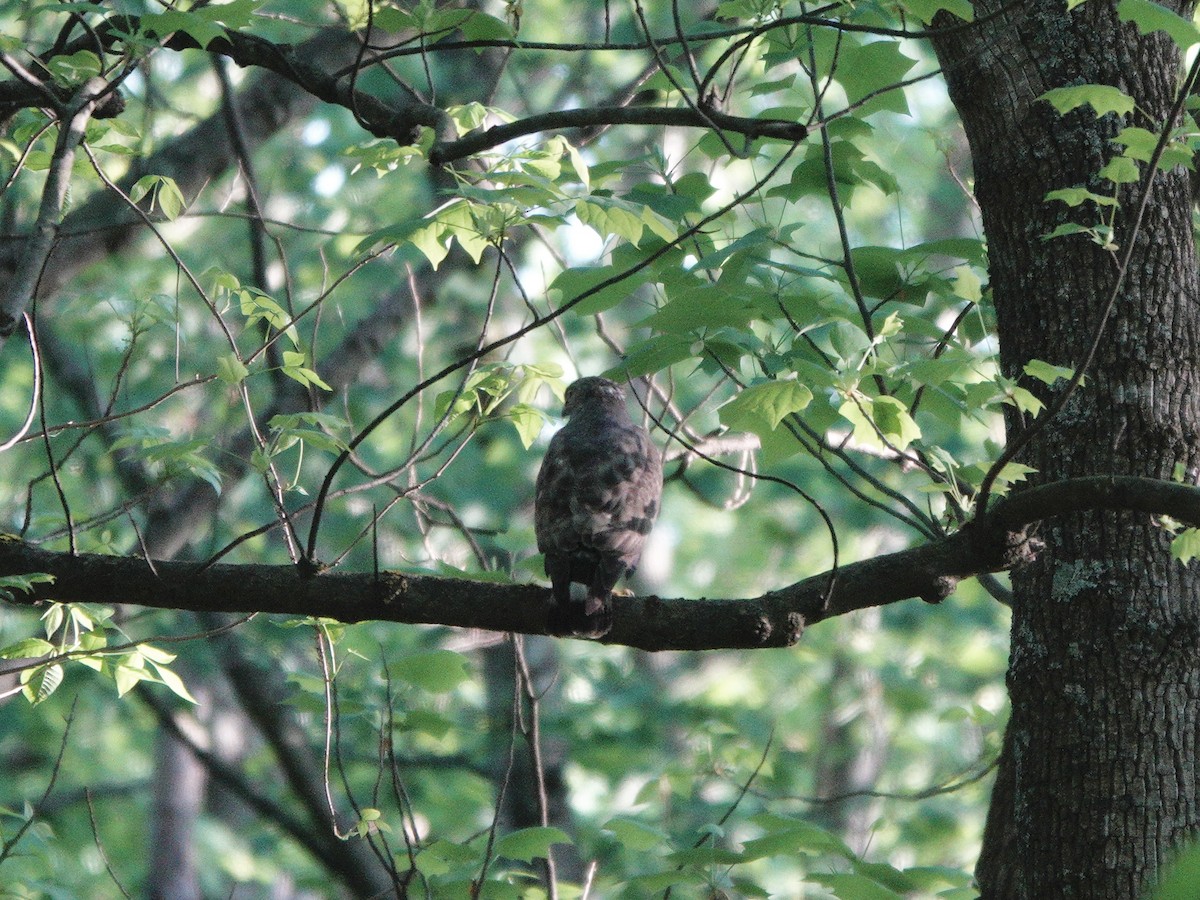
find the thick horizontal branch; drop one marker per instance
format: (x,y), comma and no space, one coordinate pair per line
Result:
(930,572)
(397,118)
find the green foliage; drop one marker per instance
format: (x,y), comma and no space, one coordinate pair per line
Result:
(831,322)
(1150,17)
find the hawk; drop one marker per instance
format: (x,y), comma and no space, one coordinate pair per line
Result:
(597,496)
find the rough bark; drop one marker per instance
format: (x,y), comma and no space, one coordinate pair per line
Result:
(1097,782)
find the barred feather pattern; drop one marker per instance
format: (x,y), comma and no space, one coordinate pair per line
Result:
(598,494)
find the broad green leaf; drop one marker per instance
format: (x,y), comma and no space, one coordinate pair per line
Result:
(1065,229)
(1152,17)
(28,648)
(40,683)
(1077,196)
(129,673)
(529,844)
(427,722)
(1140,144)
(652,355)
(967,284)
(163,192)
(794,837)
(657,882)
(1025,401)
(437,671)
(482,27)
(705,856)
(294,368)
(1185,546)
(636,836)
(878,271)
(170,198)
(1047,373)
(1121,170)
(586,282)
(874,417)
(610,219)
(925,10)
(173,681)
(702,307)
(528,421)
(852,886)
(230,369)
(74,69)
(431,241)
(873,67)
(23,583)
(1102,98)
(763,406)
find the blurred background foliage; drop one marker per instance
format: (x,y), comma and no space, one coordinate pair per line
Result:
(853,765)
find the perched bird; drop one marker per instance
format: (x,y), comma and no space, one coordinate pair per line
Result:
(597,496)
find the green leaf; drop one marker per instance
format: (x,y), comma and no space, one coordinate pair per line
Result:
(129,674)
(1139,143)
(1067,229)
(697,308)
(852,886)
(585,282)
(877,270)
(1077,196)
(1102,98)
(482,27)
(163,191)
(529,844)
(967,284)
(925,10)
(437,671)
(653,355)
(611,218)
(765,405)
(870,67)
(28,648)
(1185,546)
(875,416)
(204,24)
(657,882)
(1151,17)
(40,683)
(172,680)
(1025,401)
(791,837)
(1120,170)
(231,370)
(1047,373)
(294,368)
(528,421)
(170,198)
(23,583)
(636,836)
(74,69)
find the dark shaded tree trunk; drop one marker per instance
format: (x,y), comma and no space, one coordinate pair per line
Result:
(1097,782)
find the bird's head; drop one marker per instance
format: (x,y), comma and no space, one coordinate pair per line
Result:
(592,392)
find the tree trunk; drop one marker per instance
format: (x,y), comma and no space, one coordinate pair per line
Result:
(1097,782)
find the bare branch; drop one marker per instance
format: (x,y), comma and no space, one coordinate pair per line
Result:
(444,152)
